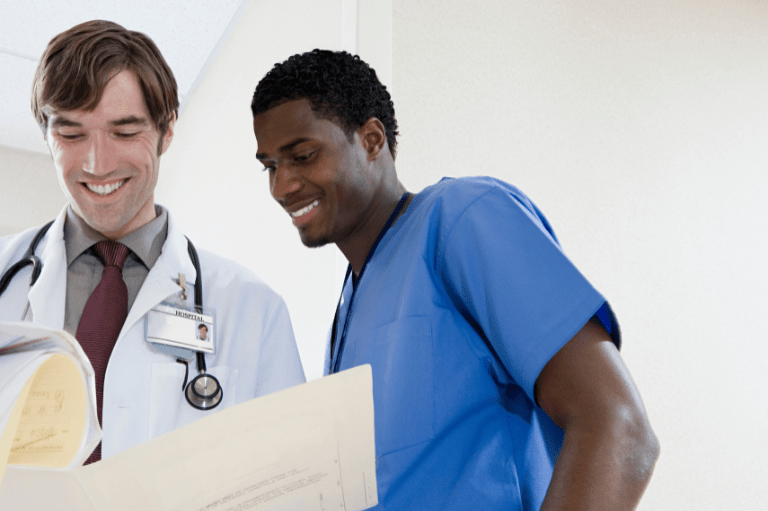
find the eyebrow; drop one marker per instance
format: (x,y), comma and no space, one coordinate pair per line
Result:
(286,147)
(132,119)
(60,122)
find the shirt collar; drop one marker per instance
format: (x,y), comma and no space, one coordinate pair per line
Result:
(146,242)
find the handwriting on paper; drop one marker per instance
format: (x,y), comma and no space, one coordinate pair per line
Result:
(52,417)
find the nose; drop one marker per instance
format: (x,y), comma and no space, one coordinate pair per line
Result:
(283,181)
(101,156)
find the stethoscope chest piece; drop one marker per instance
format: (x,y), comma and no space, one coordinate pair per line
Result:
(204,392)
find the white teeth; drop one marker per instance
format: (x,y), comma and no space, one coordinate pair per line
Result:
(305,210)
(104,189)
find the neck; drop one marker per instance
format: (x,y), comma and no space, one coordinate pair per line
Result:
(357,246)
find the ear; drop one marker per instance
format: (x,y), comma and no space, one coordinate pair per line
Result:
(168,137)
(373,136)
(45,139)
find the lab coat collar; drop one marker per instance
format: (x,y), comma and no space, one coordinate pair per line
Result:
(162,281)
(47,297)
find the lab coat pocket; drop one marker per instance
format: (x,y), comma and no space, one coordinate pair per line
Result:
(401,359)
(169,409)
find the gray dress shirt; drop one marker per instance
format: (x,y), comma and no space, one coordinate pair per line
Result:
(84,268)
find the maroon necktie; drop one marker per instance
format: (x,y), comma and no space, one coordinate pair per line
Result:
(103,317)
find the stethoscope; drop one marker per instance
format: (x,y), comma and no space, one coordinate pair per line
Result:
(204,392)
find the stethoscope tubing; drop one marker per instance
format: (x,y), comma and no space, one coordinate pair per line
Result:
(29,258)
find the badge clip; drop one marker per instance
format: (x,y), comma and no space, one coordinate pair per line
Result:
(183,284)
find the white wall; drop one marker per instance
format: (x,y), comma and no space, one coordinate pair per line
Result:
(641,130)
(29,190)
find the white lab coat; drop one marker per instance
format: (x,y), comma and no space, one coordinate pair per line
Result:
(255,355)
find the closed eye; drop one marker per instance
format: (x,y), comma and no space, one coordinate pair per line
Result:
(300,158)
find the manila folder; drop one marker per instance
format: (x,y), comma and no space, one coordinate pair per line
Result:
(309,447)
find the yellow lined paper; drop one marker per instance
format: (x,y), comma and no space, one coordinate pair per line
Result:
(49,419)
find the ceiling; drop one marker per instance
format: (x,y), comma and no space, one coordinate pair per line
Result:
(188,33)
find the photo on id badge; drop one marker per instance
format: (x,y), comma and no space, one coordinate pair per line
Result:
(202,333)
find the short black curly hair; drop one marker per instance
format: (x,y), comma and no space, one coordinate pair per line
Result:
(340,87)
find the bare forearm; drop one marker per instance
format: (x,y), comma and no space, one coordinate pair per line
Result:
(609,448)
(603,467)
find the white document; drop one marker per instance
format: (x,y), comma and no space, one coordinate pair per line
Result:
(309,447)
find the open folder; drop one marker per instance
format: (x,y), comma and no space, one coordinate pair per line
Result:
(309,447)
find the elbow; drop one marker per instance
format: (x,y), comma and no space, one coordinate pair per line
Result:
(642,448)
(650,450)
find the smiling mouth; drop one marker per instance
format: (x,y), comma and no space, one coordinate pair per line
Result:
(305,210)
(103,190)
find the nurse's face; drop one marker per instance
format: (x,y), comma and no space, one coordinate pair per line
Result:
(316,174)
(107,159)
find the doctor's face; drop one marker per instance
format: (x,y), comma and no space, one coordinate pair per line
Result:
(316,174)
(107,159)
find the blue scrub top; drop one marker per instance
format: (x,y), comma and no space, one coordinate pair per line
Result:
(464,301)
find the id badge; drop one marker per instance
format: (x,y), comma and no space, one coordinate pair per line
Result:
(180,325)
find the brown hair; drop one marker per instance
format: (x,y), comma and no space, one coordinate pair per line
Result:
(78,63)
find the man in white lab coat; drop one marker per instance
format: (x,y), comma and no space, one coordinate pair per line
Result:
(107,102)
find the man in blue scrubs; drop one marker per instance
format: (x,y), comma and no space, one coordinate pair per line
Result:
(497,378)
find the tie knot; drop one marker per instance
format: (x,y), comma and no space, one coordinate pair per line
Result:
(112,253)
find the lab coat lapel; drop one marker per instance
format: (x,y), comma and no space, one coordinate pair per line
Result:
(48,295)
(161,282)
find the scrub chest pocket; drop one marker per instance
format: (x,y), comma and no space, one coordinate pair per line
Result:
(400,355)
(169,409)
